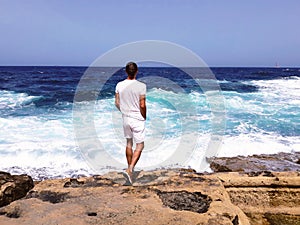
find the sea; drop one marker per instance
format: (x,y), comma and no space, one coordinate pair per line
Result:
(40,134)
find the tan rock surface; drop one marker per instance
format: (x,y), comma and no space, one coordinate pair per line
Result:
(268,198)
(104,200)
(162,197)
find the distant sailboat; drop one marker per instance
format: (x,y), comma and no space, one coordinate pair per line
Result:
(277,65)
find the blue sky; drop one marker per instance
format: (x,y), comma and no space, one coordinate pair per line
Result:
(221,32)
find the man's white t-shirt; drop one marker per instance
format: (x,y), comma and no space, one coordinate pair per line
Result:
(129,93)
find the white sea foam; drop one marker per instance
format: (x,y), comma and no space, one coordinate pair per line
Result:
(39,142)
(10,99)
(256,143)
(283,89)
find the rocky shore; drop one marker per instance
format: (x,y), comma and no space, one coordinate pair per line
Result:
(258,190)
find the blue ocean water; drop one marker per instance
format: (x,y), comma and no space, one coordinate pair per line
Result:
(262,115)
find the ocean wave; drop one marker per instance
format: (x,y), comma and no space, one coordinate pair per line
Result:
(284,88)
(293,78)
(11,99)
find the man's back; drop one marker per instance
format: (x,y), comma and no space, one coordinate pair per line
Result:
(130,93)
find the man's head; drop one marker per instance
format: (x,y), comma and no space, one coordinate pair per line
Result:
(131,69)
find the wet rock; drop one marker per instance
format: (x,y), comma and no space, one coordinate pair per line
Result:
(12,212)
(261,173)
(183,200)
(146,178)
(73,183)
(13,187)
(48,196)
(292,157)
(95,181)
(257,163)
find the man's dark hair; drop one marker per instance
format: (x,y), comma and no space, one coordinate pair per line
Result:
(131,69)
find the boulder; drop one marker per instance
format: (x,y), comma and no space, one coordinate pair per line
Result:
(13,187)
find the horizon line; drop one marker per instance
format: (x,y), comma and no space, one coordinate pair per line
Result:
(158,66)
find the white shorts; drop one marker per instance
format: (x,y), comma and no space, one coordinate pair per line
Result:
(134,128)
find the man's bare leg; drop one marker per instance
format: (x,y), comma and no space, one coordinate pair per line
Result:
(135,157)
(129,152)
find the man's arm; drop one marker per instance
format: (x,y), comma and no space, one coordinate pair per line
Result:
(117,101)
(143,108)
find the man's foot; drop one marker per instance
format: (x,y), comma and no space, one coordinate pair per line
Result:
(128,175)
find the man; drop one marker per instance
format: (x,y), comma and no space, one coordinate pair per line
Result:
(130,99)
